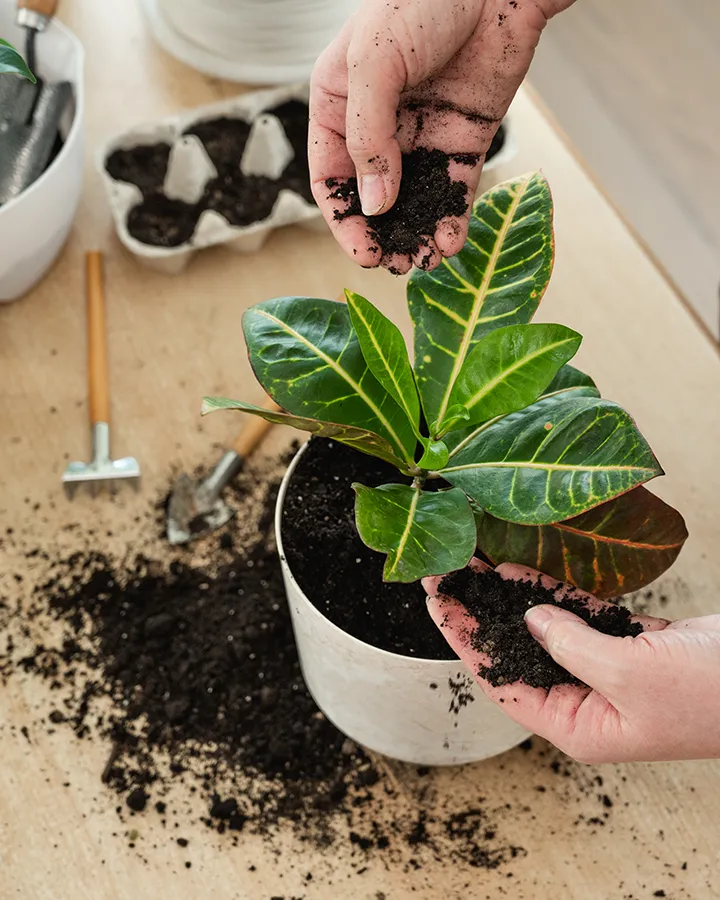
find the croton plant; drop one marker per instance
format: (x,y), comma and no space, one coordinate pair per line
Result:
(500,443)
(11,63)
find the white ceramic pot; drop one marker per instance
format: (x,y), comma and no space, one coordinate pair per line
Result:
(422,711)
(251,41)
(34,225)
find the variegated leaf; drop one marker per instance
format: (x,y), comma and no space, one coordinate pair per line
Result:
(422,533)
(385,352)
(497,279)
(553,460)
(616,548)
(569,377)
(508,369)
(307,357)
(359,438)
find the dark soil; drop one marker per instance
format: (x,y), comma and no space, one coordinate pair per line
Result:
(294,118)
(224,139)
(134,655)
(143,166)
(190,676)
(336,570)
(499,606)
(162,222)
(427,195)
(241,200)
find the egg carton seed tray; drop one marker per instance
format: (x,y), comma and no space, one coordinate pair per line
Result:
(227,173)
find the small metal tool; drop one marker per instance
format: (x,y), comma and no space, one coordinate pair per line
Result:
(102,468)
(34,16)
(195,507)
(30,114)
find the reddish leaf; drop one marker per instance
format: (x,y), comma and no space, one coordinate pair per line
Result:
(616,548)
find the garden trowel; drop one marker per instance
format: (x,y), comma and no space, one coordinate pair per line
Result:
(196,507)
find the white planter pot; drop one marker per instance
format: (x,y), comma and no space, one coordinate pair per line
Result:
(34,225)
(421,711)
(250,41)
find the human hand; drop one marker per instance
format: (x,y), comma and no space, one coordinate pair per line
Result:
(650,697)
(415,73)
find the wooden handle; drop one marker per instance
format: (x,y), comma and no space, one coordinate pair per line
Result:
(99,404)
(43,7)
(253,432)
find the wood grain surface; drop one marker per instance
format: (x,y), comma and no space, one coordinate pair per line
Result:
(173,339)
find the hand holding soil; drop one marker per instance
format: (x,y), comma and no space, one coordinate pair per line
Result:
(644,697)
(409,76)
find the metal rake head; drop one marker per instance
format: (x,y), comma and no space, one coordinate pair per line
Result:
(100,474)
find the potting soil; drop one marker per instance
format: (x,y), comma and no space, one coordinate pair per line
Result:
(498,605)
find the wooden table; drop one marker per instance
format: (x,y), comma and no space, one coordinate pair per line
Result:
(174,339)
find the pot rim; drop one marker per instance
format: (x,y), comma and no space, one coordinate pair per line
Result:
(363,645)
(78,117)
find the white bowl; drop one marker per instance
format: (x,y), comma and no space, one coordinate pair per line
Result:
(248,41)
(34,225)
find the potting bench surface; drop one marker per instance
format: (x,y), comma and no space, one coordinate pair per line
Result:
(174,339)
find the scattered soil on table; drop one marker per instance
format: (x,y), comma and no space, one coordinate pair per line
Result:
(499,606)
(336,570)
(190,676)
(427,195)
(241,200)
(136,656)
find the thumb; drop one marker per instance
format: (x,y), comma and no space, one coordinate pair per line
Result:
(586,653)
(376,77)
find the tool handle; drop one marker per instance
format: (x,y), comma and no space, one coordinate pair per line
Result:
(253,432)
(99,400)
(41,7)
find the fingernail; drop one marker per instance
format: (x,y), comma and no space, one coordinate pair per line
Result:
(537,619)
(372,194)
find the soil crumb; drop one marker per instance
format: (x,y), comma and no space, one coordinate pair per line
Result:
(427,195)
(499,605)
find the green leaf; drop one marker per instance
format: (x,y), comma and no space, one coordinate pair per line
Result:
(12,63)
(385,352)
(422,533)
(458,439)
(553,460)
(308,358)
(569,377)
(508,369)
(359,438)
(497,279)
(435,456)
(616,548)
(456,417)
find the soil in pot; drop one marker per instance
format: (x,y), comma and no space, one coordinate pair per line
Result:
(499,606)
(338,573)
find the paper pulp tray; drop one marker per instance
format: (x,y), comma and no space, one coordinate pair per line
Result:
(267,152)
